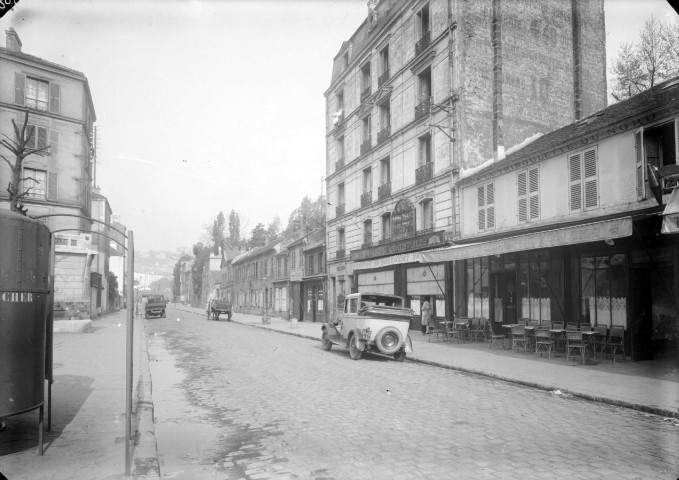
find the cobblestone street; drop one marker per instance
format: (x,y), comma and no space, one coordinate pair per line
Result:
(278,406)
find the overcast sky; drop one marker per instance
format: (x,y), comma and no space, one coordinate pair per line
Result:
(208,105)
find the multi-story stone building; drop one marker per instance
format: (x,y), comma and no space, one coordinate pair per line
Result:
(424,90)
(61,111)
(585,227)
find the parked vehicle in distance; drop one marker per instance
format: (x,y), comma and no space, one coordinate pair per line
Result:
(371,322)
(219,307)
(155,306)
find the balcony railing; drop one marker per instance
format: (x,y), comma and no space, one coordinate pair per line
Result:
(424,173)
(384,134)
(341,253)
(365,94)
(366,146)
(384,191)
(366,199)
(367,244)
(339,164)
(382,79)
(423,108)
(339,210)
(385,239)
(423,43)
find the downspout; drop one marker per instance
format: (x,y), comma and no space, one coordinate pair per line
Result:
(454,158)
(496,41)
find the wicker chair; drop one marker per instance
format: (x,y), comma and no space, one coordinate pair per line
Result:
(435,330)
(615,342)
(494,334)
(574,343)
(544,342)
(519,337)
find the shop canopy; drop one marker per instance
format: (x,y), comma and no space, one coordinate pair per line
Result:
(670,217)
(590,232)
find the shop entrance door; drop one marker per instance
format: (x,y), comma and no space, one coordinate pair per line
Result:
(640,317)
(504,297)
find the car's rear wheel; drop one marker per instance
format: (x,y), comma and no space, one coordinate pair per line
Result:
(389,340)
(325,341)
(400,355)
(354,352)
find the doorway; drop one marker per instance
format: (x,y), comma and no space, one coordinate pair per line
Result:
(504,297)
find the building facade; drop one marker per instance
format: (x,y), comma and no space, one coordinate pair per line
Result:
(424,90)
(60,110)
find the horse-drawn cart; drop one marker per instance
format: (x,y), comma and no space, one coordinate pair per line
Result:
(219,307)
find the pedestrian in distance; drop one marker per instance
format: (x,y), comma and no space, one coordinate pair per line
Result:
(426,316)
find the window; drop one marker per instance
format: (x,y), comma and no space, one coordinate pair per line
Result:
(37,94)
(386,226)
(367,180)
(424,150)
(529,195)
(368,232)
(423,21)
(656,147)
(603,290)
(310,264)
(345,60)
(384,65)
(340,194)
(321,262)
(366,128)
(339,100)
(486,201)
(36,181)
(340,149)
(293,258)
(427,214)
(583,180)
(478,304)
(340,239)
(385,171)
(424,85)
(38,138)
(385,116)
(366,81)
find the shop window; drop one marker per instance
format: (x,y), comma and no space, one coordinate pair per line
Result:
(486,206)
(529,195)
(427,207)
(656,147)
(584,190)
(478,288)
(603,290)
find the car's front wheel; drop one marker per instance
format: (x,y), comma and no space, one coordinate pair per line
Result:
(354,351)
(325,341)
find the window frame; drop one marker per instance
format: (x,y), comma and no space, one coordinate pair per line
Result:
(583,183)
(485,208)
(528,195)
(32,172)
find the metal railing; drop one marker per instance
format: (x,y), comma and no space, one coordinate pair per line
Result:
(341,253)
(366,198)
(423,43)
(384,191)
(365,93)
(366,146)
(424,173)
(339,164)
(382,79)
(423,108)
(339,210)
(384,134)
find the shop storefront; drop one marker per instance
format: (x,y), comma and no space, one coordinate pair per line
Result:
(314,304)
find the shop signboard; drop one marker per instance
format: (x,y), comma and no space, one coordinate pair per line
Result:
(400,246)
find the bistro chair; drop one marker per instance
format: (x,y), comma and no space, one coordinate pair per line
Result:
(615,342)
(572,326)
(453,332)
(483,329)
(519,337)
(474,331)
(585,327)
(494,334)
(557,325)
(546,324)
(574,343)
(435,330)
(544,342)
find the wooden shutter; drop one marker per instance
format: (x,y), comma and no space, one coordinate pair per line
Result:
(590,177)
(54,142)
(490,207)
(31,134)
(534,193)
(42,137)
(55,98)
(19,83)
(52,186)
(523,202)
(481,195)
(640,161)
(575,177)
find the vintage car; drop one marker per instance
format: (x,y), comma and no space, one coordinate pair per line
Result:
(372,322)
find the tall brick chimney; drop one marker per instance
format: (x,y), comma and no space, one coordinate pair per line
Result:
(12,41)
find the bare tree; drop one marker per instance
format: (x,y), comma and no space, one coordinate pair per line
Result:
(652,59)
(19,146)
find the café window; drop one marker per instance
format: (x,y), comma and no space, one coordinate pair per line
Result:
(540,286)
(477,288)
(603,289)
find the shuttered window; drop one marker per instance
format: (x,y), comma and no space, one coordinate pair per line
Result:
(486,202)
(528,189)
(583,180)
(39,137)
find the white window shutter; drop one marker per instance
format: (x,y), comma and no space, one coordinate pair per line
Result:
(42,137)
(521,190)
(591,187)
(31,135)
(54,142)
(19,85)
(55,98)
(481,195)
(641,164)
(490,206)
(534,193)
(52,186)
(575,177)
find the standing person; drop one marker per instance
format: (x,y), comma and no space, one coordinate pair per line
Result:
(426,316)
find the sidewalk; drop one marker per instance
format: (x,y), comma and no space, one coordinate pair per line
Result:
(651,387)
(87,440)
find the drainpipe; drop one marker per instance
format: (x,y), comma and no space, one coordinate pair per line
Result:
(496,40)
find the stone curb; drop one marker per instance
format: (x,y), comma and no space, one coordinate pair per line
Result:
(145,450)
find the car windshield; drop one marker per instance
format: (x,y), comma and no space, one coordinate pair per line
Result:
(386,301)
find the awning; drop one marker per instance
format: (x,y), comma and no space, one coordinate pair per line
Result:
(590,232)
(670,217)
